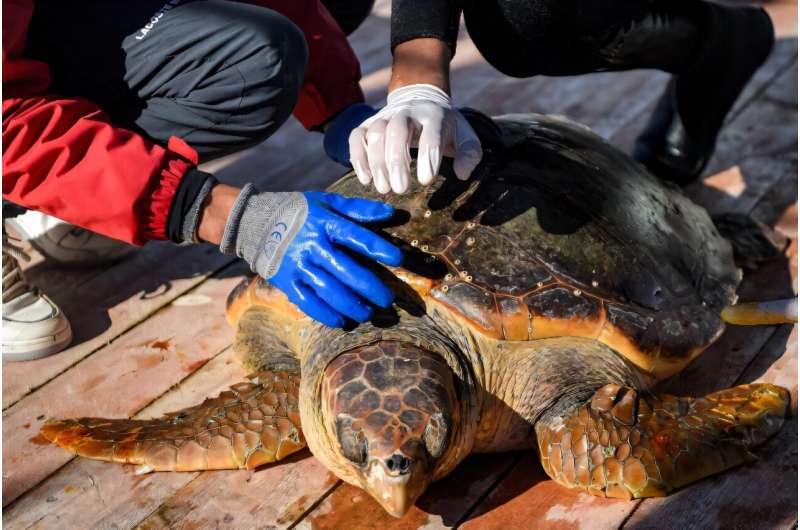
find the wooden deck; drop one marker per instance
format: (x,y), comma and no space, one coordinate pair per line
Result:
(150,336)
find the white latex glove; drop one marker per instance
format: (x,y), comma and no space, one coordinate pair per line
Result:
(414,116)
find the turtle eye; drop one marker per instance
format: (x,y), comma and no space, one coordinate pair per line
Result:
(353,442)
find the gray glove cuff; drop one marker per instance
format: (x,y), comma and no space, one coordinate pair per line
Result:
(261,226)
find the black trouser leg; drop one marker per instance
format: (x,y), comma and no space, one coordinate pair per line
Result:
(712,49)
(523,38)
(220,75)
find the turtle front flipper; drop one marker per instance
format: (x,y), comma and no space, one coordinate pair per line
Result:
(251,424)
(627,445)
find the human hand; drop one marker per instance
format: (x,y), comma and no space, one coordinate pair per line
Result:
(420,116)
(296,241)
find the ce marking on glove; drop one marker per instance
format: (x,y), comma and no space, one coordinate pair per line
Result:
(278,235)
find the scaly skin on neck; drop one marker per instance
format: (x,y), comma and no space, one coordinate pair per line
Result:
(524,382)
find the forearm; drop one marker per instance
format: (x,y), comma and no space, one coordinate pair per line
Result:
(425,60)
(63,157)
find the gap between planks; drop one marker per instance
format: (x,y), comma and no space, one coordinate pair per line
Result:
(106,383)
(63,497)
(24,378)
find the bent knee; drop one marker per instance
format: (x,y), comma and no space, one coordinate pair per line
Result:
(272,68)
(252,71)
(272,40)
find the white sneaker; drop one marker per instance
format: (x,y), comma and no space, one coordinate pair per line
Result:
(66,243)
(33,326)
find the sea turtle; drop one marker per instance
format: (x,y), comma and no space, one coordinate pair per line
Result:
(538,303)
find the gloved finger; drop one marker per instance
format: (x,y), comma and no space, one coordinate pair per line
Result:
(360,279)
(429,156)
(357,209)
(398,156)
(365,242)
(358,155)
(335,293)
(312,305)
(376,134)
(468,149)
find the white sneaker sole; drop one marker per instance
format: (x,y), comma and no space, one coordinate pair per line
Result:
(36,349)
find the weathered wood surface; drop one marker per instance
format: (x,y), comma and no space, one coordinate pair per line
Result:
(118,380)
(756,172)
(111,303)
(90,494)
(444,505)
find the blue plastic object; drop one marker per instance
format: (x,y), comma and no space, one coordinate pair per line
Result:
(319,276)
(336,142)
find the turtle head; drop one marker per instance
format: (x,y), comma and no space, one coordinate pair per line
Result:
(391,408)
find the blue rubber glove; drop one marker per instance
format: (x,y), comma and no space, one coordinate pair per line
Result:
(296,242)
(336,142)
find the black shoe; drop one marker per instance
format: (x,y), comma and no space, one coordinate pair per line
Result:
(679,139)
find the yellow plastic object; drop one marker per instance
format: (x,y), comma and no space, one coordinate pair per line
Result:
(762,313)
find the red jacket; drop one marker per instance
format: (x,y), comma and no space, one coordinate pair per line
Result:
(63,157)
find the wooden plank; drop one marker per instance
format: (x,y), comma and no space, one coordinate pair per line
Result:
(124,495)
(45,274)
(162,351)
(509,505)
(97,494)
(769,499)
(111,303)
(270,497)
(441,506)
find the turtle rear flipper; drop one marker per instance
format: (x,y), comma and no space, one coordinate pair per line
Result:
(626,445)
(251,424)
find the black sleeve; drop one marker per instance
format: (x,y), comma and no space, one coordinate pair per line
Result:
(414,19)
(193,188)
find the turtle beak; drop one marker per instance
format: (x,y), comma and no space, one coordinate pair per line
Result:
(396,482)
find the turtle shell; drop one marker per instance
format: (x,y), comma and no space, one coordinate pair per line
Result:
(557,233)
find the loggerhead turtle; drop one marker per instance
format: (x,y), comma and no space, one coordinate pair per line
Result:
(539,302)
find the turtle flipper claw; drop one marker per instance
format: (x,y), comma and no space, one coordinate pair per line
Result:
(626,445)
(251,424)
